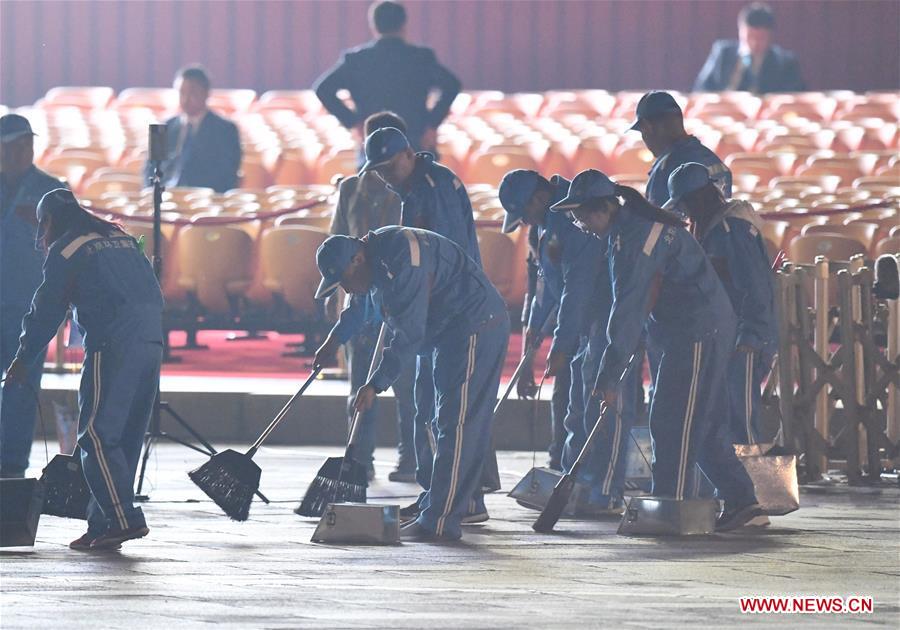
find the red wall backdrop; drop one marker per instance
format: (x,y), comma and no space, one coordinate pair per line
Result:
(511,45)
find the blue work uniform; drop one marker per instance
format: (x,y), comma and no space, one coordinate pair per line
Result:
(436,300)
(559,399)
(20,276)
(693,326)
(436,200)
(688,149)
(119,305)
(738,253)
(365,203)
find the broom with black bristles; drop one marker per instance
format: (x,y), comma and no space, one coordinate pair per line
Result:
(340,479)
(562,492)
(230,478)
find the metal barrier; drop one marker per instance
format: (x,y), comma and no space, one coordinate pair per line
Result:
(845,353)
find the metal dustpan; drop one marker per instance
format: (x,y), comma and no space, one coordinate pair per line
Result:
(663,516)
(359,524)
(534,490)
(20,511)
(773,470)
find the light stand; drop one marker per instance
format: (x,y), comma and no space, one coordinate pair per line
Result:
(154,431)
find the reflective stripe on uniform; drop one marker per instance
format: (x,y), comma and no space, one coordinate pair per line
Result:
(650,243)
(688,421)
(458,447)
(102,464)
(70,249)
(415,258)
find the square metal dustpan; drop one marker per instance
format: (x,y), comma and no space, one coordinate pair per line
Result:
(359,524)
(663,516)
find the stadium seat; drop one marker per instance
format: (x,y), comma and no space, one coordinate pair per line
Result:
(633,160)
(160,100)
(287,258)
(253,173)
(338,164)
(215,266)
(498,257)
(805,248)
(87,98)
(74,166)
(861,232)
(97,185)
(490,167)
(888,246)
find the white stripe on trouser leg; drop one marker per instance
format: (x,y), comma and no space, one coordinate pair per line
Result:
(748,401)
(460,424)
(98,449)
(614,453)
(688,421)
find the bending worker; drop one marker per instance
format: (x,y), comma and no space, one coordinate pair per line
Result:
(729,231)
(432,198)
(432,296)
(576,275)
(98,269)
(657,267)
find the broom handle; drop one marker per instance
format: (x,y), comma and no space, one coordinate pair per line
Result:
(283,412)
(354,424)
(603,409)
(529,353)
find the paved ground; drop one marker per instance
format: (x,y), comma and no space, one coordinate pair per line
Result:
(199,569)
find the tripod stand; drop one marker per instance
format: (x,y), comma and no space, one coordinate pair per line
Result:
(155,432)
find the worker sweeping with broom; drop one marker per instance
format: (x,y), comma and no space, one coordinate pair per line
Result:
(657,267)
(435,300)
(96,267)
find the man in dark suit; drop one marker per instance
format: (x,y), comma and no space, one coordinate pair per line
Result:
(753,63)
(389,74)
(204,149)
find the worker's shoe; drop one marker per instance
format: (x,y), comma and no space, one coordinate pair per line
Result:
(83,543)
(414,532)
(402,476)
(410,512)
(730,520)
(479,516)
(115,538)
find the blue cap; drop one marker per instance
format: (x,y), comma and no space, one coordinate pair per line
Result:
(13,126)
(54,201)
(333,257)
(587,185)
(653,104)
(516,190)
(382,145)
(686,179)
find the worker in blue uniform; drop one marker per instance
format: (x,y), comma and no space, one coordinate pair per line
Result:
(434,299)
(659,269)
(576,274)
(660,122)
(659,119)
(101,271)
(526,388)
(432,198)
(22,185)
(729,231)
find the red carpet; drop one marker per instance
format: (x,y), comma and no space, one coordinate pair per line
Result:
(261,358)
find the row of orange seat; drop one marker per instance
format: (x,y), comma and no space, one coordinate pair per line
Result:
(288,139)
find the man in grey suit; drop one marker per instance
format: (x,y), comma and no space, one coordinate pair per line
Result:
(753,63)
(204,149)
